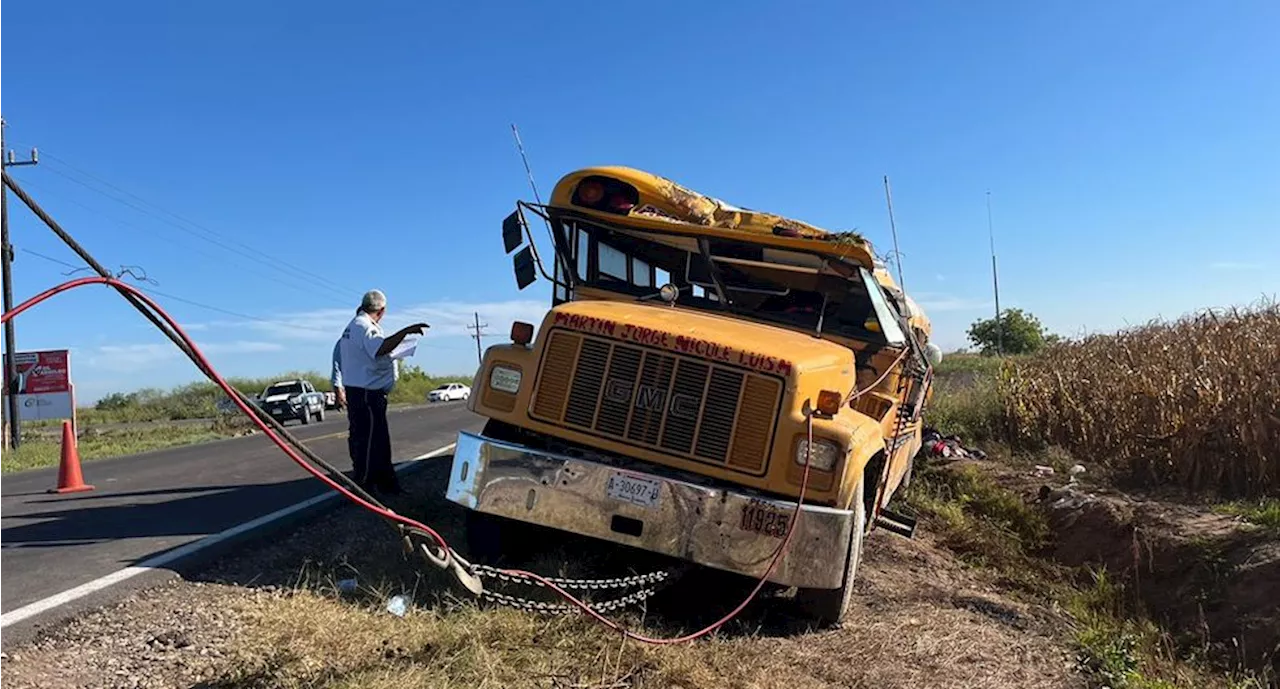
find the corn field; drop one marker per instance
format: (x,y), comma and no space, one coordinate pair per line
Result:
(1195,402)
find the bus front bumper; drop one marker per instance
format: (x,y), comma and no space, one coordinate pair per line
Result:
(718,528)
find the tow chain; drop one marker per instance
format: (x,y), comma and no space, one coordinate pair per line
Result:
(654,581)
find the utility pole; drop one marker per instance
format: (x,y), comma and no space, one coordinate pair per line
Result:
(6,257)
(479,332)
(995,280)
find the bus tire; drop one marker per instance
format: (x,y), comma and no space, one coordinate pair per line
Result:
(830,606)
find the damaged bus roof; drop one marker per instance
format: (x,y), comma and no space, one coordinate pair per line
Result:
(645,201)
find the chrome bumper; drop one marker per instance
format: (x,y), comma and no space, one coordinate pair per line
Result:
(684,520)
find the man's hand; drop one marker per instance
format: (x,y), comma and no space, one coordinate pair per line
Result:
(341,396)
(396,338)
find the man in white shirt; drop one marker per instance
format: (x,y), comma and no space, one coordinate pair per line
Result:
(367,374)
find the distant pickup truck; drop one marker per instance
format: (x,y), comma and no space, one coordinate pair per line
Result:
(293,399)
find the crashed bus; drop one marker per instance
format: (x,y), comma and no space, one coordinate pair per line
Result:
(696,357)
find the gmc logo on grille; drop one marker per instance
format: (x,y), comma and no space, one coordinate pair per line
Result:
(651,399)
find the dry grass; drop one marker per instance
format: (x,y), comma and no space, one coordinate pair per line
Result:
(1192,403)
(308,640)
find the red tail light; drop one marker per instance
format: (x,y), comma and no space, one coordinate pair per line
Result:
(590,192)
(606,194)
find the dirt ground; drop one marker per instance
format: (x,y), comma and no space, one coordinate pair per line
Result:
(272,616)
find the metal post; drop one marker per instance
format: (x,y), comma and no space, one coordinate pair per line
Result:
(479,330)
(10,339)
(995,280)
(6,257)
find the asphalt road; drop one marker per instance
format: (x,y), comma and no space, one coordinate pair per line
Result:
(149,503)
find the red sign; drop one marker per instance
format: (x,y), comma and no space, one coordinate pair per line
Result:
(41,372)
(703,349)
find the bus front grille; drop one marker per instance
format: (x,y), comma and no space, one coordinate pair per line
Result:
(674,404)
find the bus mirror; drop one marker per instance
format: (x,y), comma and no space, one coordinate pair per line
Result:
(513,231)
(525,272)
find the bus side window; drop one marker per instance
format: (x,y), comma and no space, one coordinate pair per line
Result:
(663,277)
(583,254)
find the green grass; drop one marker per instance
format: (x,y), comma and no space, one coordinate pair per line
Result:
(37,453)
(964,362)
(969,408)
(990,526)
(198,400)
(1264,513)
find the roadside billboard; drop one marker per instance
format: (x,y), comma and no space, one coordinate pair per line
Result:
(43,385)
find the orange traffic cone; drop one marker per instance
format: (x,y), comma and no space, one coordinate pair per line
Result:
(69,478)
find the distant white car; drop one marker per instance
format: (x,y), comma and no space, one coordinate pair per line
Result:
(449,392)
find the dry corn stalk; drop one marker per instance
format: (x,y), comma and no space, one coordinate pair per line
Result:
(1195,402)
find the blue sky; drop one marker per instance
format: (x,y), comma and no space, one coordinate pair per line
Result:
(1131,150)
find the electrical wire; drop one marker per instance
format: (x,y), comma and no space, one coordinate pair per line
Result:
(292,283)
(204,234)
(412,526)
(184,300)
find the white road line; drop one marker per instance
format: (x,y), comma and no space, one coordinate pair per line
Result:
(78,592)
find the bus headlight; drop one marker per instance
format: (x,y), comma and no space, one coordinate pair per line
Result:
(505,379)
(823,454)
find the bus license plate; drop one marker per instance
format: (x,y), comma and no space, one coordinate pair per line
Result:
(634,489)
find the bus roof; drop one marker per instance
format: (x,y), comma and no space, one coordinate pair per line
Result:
(644,201)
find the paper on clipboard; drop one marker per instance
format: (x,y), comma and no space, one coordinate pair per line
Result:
(406,348)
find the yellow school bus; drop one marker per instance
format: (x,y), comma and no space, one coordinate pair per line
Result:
(667,398)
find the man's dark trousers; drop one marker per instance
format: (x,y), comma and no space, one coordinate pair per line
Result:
(369,439)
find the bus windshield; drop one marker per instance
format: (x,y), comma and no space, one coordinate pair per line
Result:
(788,288)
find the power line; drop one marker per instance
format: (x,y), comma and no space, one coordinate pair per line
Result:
(184,300)
(219,309)
(303,271)
(204,233)
(301,287)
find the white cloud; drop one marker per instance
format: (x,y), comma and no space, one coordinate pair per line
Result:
(936,302)
(241,347)
(447,319)
(1234,265)
(131,358)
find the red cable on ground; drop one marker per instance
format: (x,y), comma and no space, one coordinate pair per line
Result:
(391,515)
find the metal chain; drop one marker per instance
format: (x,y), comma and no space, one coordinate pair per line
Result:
(562,609)
(653,580)
(660,576)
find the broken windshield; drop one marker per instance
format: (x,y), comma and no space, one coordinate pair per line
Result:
(783,287)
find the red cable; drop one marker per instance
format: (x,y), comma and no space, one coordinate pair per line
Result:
(389,514)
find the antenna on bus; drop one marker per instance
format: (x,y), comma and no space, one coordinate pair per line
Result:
(893,227)
(561,264)
(520,146)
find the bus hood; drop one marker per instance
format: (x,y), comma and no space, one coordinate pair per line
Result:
(708,336)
